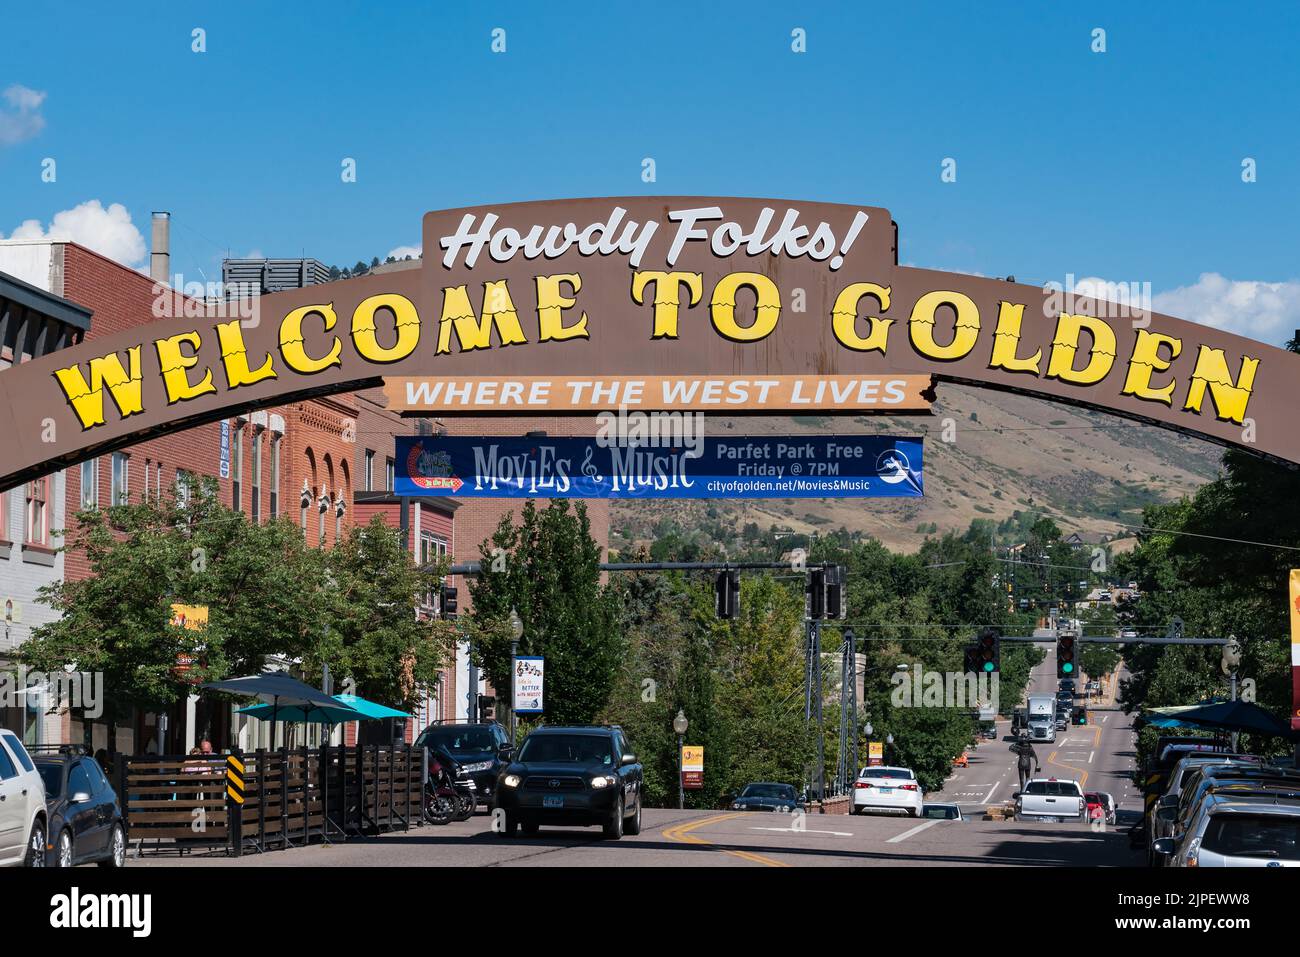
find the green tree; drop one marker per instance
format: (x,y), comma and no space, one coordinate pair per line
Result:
(547,567)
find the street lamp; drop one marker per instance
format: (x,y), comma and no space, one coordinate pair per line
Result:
(516,632)
(680,724)
(889,740)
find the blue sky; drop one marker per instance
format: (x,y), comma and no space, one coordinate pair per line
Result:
(1124,164)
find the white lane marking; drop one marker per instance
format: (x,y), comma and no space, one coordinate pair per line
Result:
(1090,754)
(989,797)
(1104,717)
(916,830)
(809,830)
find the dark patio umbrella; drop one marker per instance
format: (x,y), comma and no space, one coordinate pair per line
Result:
(279,688)
(1236,716)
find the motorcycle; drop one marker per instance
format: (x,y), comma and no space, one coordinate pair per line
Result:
(450,793)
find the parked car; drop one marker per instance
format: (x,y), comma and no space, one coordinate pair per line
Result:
(1174,820)
(1100,805)
(1050,799)
(23,816)
(887,789)
(1238,828)
(85,819)
(767,796)
(571,776)
(942,812)
(1161,825)
(476,749)
(989,732)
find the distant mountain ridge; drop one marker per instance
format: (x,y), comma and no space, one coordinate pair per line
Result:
(1089,471)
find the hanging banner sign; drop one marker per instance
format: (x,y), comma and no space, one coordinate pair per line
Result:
(788,466)
(1295,649)
(529,678)
(692,767)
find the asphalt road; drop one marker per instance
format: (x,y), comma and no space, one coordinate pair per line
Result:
(1099,755)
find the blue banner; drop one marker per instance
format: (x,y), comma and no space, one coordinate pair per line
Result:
(767,466)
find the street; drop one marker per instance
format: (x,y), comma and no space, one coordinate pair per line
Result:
(1098,755)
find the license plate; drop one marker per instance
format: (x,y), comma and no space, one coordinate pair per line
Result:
(1050,819)
(552,801)
(886,790)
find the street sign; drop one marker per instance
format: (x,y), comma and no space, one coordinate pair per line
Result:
(682,466)
(875,753)
(529,680)
(692,766)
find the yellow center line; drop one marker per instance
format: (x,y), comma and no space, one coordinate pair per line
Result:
(681,833)
(1083,772)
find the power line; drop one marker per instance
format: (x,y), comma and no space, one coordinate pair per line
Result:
(1216,538)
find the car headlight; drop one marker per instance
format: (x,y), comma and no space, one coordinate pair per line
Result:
(601,781)
(735,807)
(477,766)
(511,780)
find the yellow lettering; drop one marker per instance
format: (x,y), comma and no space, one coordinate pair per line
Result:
(1146,361)
(551,305)
(173,362)
(1229,397)
(472,332)
(234,357)
(1065,345)
(668,287)
(87,398)
(767,306)
(293,348)
(1006,340)
(965,332)
(406,321)
(844,317)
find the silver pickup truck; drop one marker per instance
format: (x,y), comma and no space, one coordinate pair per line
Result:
(1051,799)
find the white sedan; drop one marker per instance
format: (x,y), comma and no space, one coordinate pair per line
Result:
(887,789)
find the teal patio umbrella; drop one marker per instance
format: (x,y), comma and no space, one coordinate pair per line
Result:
(346,707)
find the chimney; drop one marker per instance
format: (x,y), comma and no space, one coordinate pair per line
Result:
(160,261)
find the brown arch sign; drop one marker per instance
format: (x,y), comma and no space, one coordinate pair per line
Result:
(755,301)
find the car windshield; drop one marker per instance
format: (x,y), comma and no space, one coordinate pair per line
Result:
(568,749)
(457,740)
(1052,788)
(901,773)
(52,775)
(940,812)
(1249,835)
(784,792)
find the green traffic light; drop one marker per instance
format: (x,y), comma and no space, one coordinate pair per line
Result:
(1067,667)
(988,666)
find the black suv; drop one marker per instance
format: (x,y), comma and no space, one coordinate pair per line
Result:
(476,749)
(570,776)
(86,822)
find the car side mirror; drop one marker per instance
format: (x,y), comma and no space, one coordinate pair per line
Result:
(629,759)
(1015,794)
(81,797)
(1166,814)
(505,753)
(1163,846)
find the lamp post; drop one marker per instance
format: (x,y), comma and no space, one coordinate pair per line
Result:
(889,741)
(517,632)
(680,724)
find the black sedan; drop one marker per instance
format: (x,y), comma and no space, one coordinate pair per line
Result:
(85,818)
(767,796)
(570,776)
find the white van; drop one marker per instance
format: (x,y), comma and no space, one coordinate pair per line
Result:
(22,806)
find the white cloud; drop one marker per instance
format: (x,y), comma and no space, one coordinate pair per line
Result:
(109,232)
(22,119)
(401,252)
(1267,311)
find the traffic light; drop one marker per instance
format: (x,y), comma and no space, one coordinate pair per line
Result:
(815,606)
(989,650)
(727,594)
(487,708)
(1065,657)
(1080,716)
(835,604)
(447,601)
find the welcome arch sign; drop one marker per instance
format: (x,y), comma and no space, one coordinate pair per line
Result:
(739,305)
